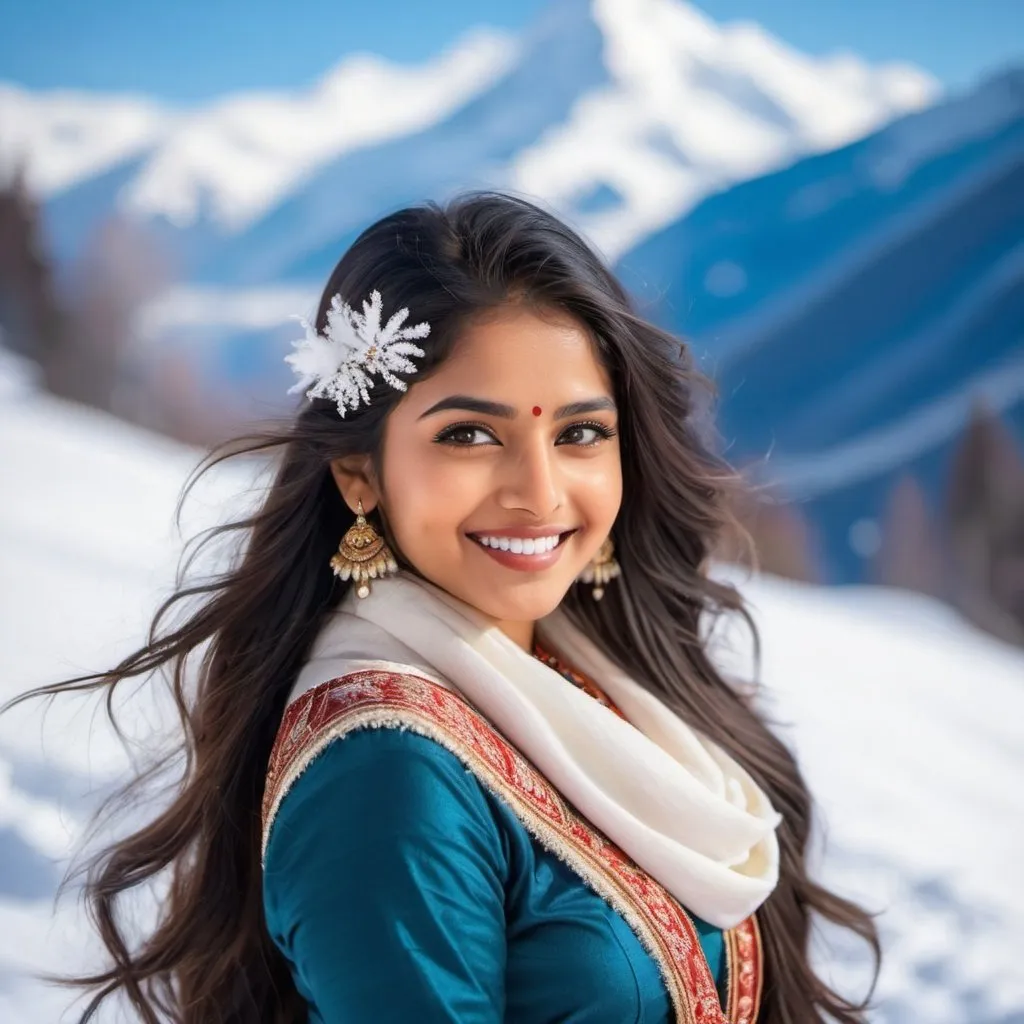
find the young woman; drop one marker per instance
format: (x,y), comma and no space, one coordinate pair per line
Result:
(457,751)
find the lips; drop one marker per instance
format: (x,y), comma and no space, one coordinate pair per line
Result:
(525,550)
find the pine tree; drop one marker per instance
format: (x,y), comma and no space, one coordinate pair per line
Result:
(910,556)
(985,514)
(30,317)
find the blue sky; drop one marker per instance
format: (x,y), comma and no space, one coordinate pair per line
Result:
(190,50)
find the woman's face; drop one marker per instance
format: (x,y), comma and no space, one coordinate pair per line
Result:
(500,473)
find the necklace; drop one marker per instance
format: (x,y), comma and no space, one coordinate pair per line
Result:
(578,679)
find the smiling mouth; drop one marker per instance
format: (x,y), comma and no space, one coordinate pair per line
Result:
(535,547)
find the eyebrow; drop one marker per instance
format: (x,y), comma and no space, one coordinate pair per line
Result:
(466,403)
(587,405)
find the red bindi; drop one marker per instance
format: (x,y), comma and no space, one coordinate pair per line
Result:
(537,410)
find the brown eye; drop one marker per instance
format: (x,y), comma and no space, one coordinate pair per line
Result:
(585,435)
(465,435)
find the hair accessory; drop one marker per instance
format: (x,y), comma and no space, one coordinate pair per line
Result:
(601,569)
(340,363)
(363,555)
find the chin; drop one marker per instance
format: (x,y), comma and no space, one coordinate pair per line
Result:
(524,602)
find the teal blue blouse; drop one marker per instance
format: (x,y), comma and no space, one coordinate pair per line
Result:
(400,889)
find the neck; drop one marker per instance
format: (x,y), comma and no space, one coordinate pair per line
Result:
(520,633)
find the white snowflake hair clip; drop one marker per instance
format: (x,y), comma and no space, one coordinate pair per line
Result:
(340,363)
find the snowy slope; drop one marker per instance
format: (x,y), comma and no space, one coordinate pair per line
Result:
(856,305)
(622,114)
(907,723)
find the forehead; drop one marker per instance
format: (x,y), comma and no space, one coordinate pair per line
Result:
(516,352)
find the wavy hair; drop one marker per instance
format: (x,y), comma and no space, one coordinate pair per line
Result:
(247,631)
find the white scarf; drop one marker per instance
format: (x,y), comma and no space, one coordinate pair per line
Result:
(674,801)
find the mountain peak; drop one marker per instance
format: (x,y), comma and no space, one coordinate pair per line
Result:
(695,106)
(245,153)
(649,107)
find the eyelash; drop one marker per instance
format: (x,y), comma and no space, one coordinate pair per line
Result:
(444,436)
(605,431)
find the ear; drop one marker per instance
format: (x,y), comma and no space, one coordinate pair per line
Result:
(356,481)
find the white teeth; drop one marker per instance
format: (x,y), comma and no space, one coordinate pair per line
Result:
(521,545)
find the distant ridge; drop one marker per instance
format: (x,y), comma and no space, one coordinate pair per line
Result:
(855,307)
(620,116)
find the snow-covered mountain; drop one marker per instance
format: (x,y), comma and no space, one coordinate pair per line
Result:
(232,159)
(622,115)
(60,139)
(907,723)
(853,293)
(855,306)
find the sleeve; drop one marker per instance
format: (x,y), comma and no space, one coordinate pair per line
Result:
(384,885)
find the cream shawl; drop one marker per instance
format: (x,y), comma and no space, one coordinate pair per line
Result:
(675,802)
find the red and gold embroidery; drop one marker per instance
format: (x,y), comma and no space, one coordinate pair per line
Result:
(745,972)
(578,679)
(378,698)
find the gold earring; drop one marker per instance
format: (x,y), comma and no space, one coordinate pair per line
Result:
(363,555)
(602,568)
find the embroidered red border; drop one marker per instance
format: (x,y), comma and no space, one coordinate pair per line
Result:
(378,697)
(744,953)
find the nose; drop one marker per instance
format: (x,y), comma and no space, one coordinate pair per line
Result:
(531,480)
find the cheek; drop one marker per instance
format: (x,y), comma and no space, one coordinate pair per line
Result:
(427,499)
(600,492)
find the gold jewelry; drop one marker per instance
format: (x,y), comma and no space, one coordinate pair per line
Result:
(602,568)
(363,555)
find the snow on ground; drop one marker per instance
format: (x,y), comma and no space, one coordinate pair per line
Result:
(909,725)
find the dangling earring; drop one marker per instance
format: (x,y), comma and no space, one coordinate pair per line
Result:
(602,569)
(363,555)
